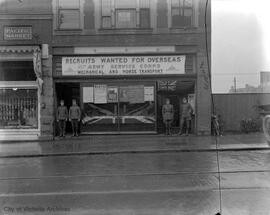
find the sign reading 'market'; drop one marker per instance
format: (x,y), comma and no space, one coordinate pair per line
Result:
(120,65)
(17,33)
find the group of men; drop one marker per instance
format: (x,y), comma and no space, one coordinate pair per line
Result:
(73,115)
(186,112)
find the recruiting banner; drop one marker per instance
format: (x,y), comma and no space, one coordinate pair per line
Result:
(123,65)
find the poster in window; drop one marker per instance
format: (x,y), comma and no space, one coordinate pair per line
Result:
(149,94)
(123,94)
(100,94)
(132,94)
(136,94)
(191,100)
(112,95)
(88,94)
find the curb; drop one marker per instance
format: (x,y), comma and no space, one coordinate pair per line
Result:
(80,138)
(133,152)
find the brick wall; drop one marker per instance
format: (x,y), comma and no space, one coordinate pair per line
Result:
(203,95)
(47,104)
(25,7)
(41,30)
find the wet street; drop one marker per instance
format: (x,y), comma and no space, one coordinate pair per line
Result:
(173,183)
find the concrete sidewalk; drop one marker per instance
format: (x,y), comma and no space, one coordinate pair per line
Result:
(109,144)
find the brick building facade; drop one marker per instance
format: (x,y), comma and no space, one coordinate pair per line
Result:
(119,59)
(26,108)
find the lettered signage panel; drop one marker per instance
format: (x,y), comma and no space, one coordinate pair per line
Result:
(17,33)
(123,65)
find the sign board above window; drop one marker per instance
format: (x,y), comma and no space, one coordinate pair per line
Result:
(123,65)
(18,33)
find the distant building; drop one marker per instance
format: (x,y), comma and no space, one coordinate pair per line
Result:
(264,86)
(265,78)
(247,89)
(265,81)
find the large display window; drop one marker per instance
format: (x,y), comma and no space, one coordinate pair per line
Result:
(116,107)
(18,108)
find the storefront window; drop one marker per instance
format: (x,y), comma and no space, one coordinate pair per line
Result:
(119,108)
(18,108)
(17,71)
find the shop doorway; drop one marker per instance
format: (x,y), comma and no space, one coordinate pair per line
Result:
(175,90)
(67,92)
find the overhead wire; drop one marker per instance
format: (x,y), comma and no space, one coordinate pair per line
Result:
(212,103)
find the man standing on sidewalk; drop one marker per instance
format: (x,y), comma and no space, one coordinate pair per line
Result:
(74,117)
(168,115)
(186,111)
(61,117)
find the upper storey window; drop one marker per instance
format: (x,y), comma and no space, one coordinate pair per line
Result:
(125,14)
(106,11)
(182,13)
(144,14)
(25,7)
(69,14)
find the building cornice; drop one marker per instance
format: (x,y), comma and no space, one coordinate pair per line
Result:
(25,16)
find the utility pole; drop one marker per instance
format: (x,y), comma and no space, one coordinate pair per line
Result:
(234,81)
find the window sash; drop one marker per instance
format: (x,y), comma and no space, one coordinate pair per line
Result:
(144,18)
(181,13)
(69,4)
(125,4)
(125,18)
(182,3)
(175,3)
(137,14)
(144,4)
(176,11)
(72,20)
(106,7)
(106,21)
(188,3)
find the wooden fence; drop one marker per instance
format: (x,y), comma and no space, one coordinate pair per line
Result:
(235,107)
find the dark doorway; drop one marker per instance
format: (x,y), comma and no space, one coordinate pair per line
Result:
(175,91)
(67,92)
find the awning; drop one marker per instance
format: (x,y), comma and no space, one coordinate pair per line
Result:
(15,53)
(18,49)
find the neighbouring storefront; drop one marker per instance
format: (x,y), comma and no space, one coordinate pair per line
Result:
(19,90)
(124,93)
